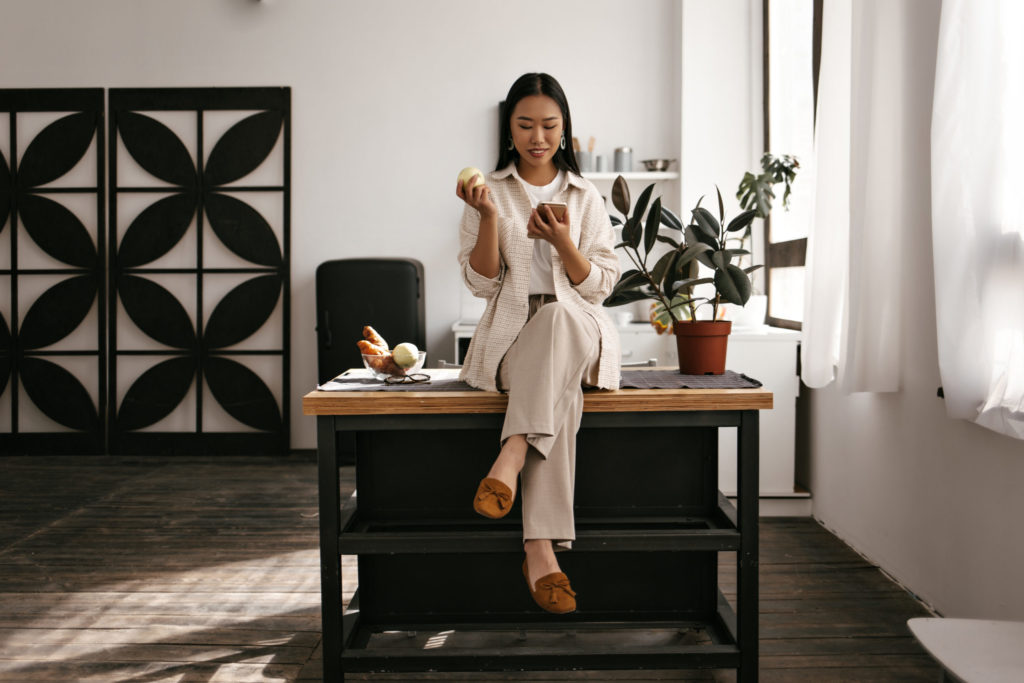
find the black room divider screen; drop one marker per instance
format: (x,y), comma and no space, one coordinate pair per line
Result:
(175,337)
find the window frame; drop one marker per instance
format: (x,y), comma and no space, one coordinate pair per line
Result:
(789,253)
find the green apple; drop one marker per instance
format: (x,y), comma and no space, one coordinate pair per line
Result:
(405,355)
(469,173)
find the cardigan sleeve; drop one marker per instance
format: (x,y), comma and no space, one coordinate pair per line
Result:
(597,244)
(479,285)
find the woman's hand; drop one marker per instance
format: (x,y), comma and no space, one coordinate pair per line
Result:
(478,197)
(544,225)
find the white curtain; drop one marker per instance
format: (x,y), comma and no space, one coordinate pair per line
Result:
(828,241)
(977,148)
(851,312)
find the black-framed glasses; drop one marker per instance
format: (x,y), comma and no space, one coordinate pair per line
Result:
(414,378)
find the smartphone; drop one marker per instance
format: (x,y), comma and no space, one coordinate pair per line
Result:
(557,208)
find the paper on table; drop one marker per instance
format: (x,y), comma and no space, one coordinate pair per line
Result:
(360,379)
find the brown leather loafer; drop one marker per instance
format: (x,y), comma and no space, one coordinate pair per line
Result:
(552,592)
(493,498)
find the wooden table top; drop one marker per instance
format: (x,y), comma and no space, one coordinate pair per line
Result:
(463,402)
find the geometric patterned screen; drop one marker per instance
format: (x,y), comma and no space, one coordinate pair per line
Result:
(144,309)
(199,280)
(52,306)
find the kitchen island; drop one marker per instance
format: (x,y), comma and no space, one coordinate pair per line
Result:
(441,589)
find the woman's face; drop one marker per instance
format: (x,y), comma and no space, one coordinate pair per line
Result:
(536,125)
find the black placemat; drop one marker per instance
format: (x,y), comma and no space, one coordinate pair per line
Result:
(448,380)
(672,379)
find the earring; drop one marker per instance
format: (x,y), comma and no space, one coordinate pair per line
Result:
(562,143)
(512,145)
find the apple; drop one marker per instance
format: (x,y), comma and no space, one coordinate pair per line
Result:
(469,173)
(405,355)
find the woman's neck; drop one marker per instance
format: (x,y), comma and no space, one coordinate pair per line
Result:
(536,176)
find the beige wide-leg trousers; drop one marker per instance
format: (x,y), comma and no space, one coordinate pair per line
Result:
(556,354)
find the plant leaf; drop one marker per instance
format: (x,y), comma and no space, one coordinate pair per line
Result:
(636,234)
(693,237)
(687,285)
(720,258)
(666,278)
(741,221)
(670,219)
(57,149)
(653,225)
(691,282)
(733,284)
(243,148)
(668,240)
(693,251)
(620,196)
(751,269)
(641,204)
(721,205)
(631,279)
(757,194)
(615,219)
(628,230)
(625,297)
(661,267)
(707,225)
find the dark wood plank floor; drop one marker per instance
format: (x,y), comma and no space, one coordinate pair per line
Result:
(206,569)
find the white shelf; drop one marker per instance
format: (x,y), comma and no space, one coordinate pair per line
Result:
(633,175)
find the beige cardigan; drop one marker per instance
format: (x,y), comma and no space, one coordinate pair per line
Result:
(508,294)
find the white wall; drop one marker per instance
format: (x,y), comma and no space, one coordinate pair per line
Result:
(935,502)
(389,99)
(721,120)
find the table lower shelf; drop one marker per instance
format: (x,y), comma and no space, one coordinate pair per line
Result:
(553,645)
(712,531)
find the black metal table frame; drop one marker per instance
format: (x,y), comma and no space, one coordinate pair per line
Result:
(339,628)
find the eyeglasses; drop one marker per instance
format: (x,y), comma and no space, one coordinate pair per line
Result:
(414,378)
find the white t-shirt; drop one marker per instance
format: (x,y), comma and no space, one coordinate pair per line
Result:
(542,279)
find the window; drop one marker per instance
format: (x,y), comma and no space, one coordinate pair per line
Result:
(792,48)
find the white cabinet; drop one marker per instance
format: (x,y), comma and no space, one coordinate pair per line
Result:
(767,354)
(770,356)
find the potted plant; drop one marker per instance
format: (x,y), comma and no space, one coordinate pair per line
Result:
(671,279)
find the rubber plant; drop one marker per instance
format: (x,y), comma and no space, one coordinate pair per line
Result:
(670,281)
(664,279)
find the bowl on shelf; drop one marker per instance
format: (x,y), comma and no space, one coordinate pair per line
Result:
(657,164)
(382,371)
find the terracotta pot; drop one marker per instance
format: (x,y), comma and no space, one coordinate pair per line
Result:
(702,345)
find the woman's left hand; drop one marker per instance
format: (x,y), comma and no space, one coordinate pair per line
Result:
(544,225)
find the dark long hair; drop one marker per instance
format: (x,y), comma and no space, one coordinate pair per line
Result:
(535,84)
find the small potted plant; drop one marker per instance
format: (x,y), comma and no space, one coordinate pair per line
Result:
(671,279)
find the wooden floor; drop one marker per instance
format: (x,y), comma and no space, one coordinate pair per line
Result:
(206,569)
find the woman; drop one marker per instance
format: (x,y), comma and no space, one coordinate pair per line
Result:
(544,334)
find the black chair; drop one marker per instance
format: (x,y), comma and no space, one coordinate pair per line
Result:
(386,293)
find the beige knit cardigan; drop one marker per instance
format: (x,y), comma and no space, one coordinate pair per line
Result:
(508,294)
